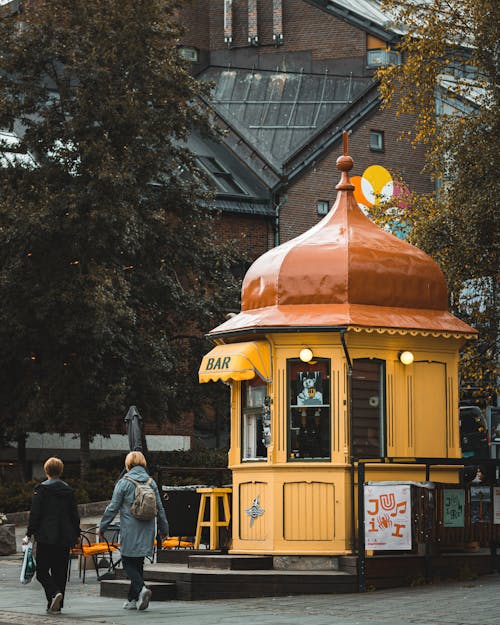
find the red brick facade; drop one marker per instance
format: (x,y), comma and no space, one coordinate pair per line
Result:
(317,37)
(305,27)
(254,234)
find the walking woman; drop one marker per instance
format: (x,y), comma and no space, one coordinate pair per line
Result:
(55,524)
(136,536)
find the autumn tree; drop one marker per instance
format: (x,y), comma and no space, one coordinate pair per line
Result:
(110,271)
(448,81)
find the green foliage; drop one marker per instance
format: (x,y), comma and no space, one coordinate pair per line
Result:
(110,268)
(174,458)
(450,65)
(200,460)
(190,458)
(103,474)
(16,496)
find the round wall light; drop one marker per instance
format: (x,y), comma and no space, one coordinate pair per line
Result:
(306,354)
(406,357)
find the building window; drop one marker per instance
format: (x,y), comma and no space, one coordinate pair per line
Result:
(323,206)
(309,410)
(253,399)
(223,179)
(188,54)
(380,57)
(368,408)
(376,141)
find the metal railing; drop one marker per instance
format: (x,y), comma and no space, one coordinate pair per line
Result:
(429,527)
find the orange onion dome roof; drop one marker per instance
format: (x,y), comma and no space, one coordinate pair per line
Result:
(345,271)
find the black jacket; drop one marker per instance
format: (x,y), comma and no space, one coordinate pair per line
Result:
(54,516)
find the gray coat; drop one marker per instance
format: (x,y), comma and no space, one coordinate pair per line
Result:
(136,537)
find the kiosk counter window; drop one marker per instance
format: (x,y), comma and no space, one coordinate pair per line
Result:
(309,412)
(253,399)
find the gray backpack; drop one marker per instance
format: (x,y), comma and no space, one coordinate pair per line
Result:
(144,505)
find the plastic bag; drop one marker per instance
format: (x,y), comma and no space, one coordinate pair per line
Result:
(28,567)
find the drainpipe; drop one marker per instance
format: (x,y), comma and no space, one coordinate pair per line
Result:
(351,456)
(277,209)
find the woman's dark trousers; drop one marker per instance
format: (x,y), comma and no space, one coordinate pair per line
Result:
(134,569)
(52,568)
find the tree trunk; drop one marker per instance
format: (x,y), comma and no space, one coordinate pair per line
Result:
(84,455)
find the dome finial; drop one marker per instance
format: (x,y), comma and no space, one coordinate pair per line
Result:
(345,164)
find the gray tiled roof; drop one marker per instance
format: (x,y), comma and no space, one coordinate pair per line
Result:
(365,13)
(237,188)
(250,207)
(279,112)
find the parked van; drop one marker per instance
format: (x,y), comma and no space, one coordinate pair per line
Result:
(474,434)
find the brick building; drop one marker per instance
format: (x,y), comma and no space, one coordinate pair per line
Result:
(290,76)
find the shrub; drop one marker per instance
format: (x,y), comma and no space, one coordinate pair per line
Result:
(104,472)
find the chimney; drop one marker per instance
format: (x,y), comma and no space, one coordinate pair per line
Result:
(228,22)
(253,37)
(278,22)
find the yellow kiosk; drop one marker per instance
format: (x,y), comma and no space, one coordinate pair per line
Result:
(344,349)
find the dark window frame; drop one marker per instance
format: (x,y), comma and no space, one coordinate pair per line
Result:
(378,133)
(382,411)
(256,414)
(223,179)
(322,212)
(306,429)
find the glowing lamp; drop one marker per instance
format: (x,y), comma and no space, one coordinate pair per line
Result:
(406,357)
(306,354)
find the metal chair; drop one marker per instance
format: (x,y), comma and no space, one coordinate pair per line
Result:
(99,551)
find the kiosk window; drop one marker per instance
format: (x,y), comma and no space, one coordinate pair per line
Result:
(253,394)
(368,408)
(309,410)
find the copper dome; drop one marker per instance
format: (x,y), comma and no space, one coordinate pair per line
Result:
(345,271)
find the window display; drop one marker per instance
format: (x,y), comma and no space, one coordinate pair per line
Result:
(255,419)
(309,409)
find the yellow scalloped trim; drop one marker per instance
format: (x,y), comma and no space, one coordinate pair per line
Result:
(406,332)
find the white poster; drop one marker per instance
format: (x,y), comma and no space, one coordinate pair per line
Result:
(496,505)
(387,516)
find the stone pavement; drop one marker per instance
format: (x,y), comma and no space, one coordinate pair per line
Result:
(472,602)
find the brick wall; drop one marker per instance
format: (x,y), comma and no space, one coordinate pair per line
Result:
(314,34)
(318,182)
(194,17)
(305,27)
(254,233)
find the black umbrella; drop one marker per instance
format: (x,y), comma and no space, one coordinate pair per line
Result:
(133,421)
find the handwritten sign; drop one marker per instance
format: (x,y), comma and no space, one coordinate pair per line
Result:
(453,507)
(387,516)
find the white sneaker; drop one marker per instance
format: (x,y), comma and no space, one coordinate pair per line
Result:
(130,605)
(144,598)
(55,604)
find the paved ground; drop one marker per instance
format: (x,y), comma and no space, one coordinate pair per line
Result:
(474,602)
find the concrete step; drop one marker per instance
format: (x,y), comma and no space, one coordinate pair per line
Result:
(231,562)
(173,556)
(118,588)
